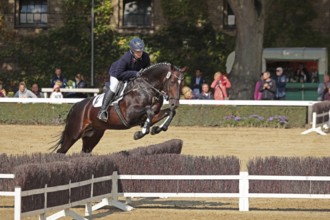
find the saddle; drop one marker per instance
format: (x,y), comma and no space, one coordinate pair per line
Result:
(97,101)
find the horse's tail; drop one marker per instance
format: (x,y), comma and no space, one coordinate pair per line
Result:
(59,143)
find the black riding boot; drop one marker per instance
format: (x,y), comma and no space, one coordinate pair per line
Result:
(103,113)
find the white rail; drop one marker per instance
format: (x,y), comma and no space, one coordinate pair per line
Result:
(112,198)
(317,127)
(95,91)
(182,102)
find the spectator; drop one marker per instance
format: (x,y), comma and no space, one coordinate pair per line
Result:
(280,84)
(3,92)
(196,82)
(56,94)
(267,87)
(79,83)
(220,85)
(206,93)
(257,93)
(58,79)
(187,92)
(323,88)
(314,75)
(301,74)
(35,90)
(23,92)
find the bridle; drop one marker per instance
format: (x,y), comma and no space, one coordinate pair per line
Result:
(166,82)
(179,78)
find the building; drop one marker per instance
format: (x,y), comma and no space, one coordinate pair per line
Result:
(27,17)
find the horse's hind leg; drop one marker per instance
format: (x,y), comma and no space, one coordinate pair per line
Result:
(90,139)
(68,139)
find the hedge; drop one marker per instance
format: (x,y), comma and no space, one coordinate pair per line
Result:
(187,115)
(289,166)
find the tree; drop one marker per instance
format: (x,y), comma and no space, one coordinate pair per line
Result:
(250,20)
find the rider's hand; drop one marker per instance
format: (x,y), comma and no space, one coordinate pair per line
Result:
(138,74)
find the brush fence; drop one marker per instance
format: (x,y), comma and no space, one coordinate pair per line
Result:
(111,199)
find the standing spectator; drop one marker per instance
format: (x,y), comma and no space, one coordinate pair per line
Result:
(267,87)
(301,74)
(2,90)
(206,93)
(197,82)
(79,83)
(257,94)
(58,79)
(280,84)
(35,90)
(323,88)
(23,92)
(220,85)
(314,75)
(56,94)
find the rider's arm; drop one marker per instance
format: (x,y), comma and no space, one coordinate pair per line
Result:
(119,68)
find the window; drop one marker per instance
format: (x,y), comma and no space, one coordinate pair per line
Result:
(137,13)
(229,17)
(33,12)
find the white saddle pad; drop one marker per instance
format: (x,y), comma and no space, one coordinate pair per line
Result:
(97,100)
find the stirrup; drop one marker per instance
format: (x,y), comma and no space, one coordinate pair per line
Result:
(103,115)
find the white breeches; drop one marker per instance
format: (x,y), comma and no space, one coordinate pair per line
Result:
(113,84)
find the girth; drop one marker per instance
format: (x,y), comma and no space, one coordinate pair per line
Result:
(120,114)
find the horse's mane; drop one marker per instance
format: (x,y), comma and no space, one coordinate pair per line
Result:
(154,66)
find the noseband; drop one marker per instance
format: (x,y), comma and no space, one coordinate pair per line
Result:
(163,93)
(179,78)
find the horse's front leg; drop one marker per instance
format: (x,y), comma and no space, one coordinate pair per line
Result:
(146,126)
(169,113)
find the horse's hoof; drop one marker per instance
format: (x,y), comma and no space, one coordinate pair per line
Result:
(138,135)
(155,130)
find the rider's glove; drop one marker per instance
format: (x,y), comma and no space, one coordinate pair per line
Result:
(138,74)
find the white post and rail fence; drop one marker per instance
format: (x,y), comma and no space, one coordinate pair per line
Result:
(320,118)
(111,199)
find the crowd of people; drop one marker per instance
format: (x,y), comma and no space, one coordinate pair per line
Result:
(268,87)
(200,89)
(128,66)
(57,82)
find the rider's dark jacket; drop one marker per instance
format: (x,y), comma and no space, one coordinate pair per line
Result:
(127,66)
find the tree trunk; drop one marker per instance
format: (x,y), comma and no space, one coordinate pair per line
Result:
(250,18)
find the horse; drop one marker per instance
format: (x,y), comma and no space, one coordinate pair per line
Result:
(140,104)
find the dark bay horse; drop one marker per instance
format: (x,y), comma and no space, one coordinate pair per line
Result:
(140,105)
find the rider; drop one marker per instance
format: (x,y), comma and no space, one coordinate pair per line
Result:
(126,67)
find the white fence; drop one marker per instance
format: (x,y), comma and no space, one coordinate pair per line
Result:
(317,126)
(182,102)
(94,91)
(112,198)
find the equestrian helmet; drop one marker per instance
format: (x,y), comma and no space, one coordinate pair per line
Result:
(136,44)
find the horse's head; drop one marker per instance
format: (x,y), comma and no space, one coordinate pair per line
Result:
(172,85)
(166,79)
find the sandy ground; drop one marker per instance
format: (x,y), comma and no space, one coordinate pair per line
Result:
(245,143)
